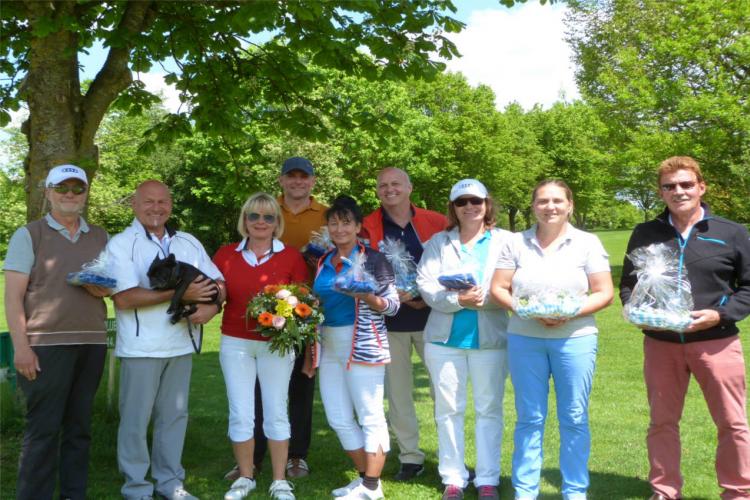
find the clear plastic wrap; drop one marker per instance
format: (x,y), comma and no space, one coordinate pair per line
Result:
(661,298)
(461,278)
(356,279)
(404,267)
(320,242)
(97,272)
(544,302)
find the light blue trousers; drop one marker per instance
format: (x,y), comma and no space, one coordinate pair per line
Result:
(570,362)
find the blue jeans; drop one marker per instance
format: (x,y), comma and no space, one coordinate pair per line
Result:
(571,362)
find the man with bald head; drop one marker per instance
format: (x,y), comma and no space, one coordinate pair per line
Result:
(155,355)
(398,219)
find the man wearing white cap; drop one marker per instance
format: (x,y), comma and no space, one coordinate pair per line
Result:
(59,337)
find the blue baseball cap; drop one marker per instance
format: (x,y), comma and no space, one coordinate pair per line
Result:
(297,163)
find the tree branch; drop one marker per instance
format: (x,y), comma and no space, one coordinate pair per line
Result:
(115,76)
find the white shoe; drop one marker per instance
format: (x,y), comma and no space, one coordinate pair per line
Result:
(344,490)
(180,493)
(361,492)
(281,490)
(240,489)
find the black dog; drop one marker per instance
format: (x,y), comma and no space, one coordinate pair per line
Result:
(170,273)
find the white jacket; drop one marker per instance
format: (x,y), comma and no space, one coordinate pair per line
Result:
(442,255)
(146,332)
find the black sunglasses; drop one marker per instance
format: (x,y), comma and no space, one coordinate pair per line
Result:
(685,185)
(65,189)
(267,218)
(461,202)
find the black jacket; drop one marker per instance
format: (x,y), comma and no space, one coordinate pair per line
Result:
(717,257)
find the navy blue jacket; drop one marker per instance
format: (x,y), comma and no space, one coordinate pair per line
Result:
(716,255)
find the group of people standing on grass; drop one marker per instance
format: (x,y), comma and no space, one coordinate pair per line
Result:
(366,339)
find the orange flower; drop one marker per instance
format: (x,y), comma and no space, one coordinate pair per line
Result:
(265,319)
(271,289)
(303,290)
(302,310)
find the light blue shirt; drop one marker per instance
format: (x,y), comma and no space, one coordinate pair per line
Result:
(465,327)
(338,308)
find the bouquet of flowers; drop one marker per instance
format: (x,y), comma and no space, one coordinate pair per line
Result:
(320,242)
(288,314)
(403,265)
(95,272)
(544,302)
(356,279)
(661,298)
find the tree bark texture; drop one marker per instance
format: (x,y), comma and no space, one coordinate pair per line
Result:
(62,122)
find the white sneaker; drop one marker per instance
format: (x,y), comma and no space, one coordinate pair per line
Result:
(281,490)
(180,493)
(240,489)
(361,492)
(344,490)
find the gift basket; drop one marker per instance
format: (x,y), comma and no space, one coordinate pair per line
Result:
(544,302)
(404,267)
(95,272)
(661,298)
(320,242)
(356,279)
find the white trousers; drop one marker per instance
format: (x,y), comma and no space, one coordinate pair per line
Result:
(243,360)
(450,369)
(349,390)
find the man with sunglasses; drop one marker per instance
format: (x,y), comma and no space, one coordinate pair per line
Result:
(399,219)
(59,337)
(715,252)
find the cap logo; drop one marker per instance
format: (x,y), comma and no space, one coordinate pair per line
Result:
(70,169)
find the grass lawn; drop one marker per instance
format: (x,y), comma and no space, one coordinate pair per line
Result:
(619,416)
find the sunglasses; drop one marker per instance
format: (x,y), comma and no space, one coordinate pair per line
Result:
(461,202)
(685,185)
(267,218)
(65,189)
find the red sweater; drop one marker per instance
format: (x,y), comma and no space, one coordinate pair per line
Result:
(244,282)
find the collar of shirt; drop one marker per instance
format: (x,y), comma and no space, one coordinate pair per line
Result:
(686,233)
(82,227)
(314,205)
(252,259)
(530,234)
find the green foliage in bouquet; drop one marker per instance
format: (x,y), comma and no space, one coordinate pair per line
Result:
(288,314)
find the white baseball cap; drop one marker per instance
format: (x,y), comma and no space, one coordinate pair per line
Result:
(64,172)
(468,187)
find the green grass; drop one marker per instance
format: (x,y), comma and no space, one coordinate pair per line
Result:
(619,417)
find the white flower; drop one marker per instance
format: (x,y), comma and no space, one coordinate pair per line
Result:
(283,293)
(292,300)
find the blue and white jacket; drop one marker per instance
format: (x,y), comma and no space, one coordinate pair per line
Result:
(369,337)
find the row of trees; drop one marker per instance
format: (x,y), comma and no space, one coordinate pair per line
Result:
(439,131)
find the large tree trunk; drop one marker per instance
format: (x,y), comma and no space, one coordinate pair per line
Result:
(512,212)
(62,122)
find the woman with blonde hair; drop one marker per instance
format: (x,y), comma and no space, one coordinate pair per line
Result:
(259,259)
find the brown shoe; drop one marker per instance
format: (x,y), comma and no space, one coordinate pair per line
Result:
(297,467)
(234,473)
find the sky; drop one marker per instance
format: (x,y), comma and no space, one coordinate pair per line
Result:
(519,52)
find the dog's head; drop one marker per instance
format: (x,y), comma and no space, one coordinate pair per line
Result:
(163,274)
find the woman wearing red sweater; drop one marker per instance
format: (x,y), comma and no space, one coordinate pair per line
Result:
(258,260)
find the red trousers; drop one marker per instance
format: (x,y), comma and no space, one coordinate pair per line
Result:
(719,368)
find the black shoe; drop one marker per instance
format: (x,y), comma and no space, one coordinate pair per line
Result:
(407,472)
(472,474)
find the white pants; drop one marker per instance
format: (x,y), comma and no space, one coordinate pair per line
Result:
(344,391)
(241,361)
(399,389)
(450,369)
